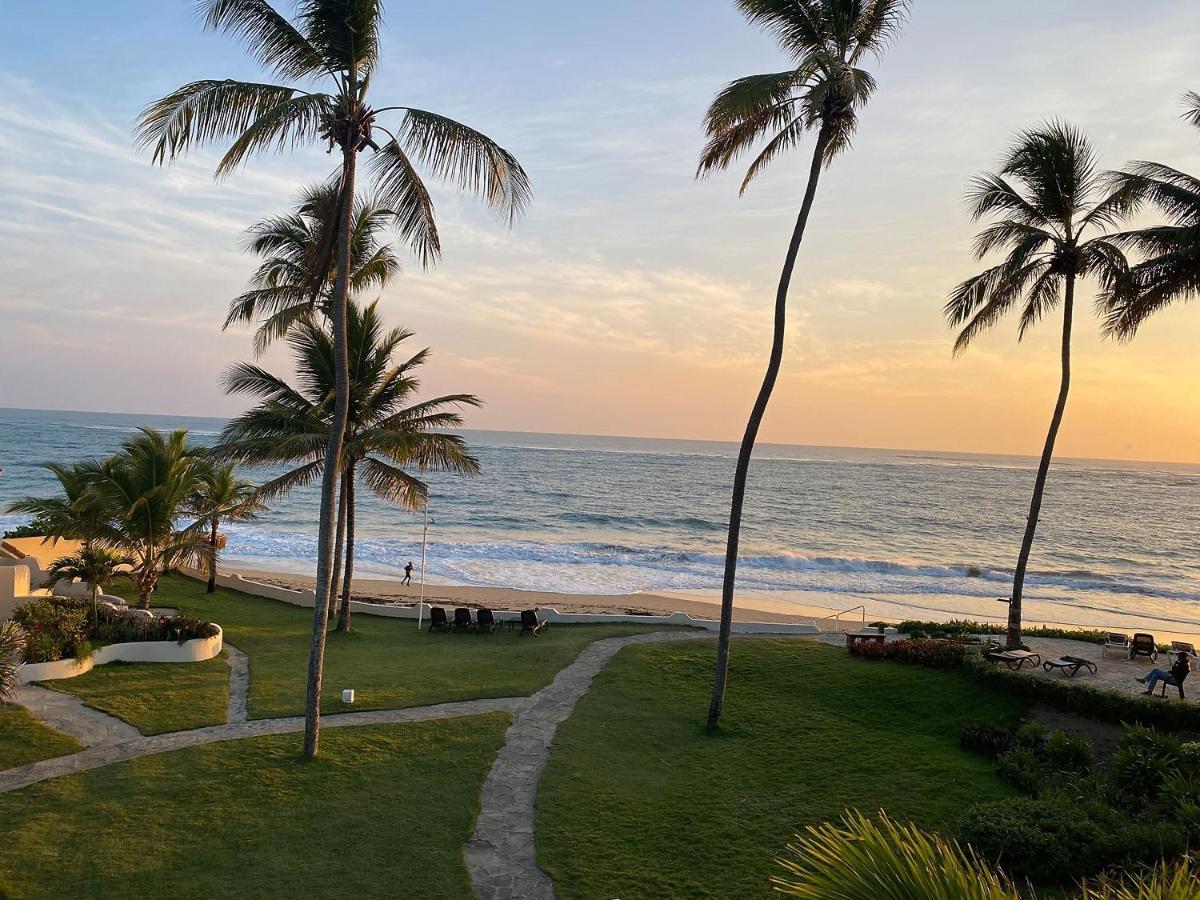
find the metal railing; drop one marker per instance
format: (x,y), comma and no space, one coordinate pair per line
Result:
(837,617)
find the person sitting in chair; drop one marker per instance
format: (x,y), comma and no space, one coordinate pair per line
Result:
(1179,671)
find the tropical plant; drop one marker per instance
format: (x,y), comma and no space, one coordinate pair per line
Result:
(223,496)
(388,433)
(864,859)
(823,91)
(144,491)
(1169,880)
(12,654)
(95,566)
(1170,270)
(1051,222)
(335,43)
(70,515)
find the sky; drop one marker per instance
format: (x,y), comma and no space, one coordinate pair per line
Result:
(631,299)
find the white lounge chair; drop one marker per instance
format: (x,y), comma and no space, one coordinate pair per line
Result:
(1183,647)
(1114,640)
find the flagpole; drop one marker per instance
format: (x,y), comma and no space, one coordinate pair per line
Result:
(424,537)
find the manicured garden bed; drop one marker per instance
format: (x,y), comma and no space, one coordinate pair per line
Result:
(388,662)
(383,813)
(23,739)
(638,802)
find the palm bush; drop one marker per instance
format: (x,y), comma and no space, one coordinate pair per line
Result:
(821,92)
(12,654)
(865,859)
(222,496)
(97,567)
(1176,880)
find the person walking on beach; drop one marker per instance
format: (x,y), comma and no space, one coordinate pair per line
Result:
(408,573)
(1175,677)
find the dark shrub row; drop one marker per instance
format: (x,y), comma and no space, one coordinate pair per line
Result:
(932,653)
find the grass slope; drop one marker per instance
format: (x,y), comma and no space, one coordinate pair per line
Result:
(156,697)
(383,813)
(388,662)
(23,739)
(638,802)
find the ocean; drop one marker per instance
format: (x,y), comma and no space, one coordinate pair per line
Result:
(902,533)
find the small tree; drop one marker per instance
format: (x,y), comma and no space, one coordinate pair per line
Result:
(95,566)
(222,495)
(12,653)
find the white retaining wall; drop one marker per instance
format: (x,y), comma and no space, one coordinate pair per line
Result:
(197,650)
(307,598)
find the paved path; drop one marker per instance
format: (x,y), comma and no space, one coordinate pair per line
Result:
(501,856)
(68,714)
(239,685)
(97,756)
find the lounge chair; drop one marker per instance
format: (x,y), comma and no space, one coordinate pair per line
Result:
(1143,645)
(485,620)
(1070,665)
(1014,659)
(1183,647)
(530,623)
(1115,640)
(462,620)
(438,620)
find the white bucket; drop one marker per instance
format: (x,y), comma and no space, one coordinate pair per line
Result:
(348,696)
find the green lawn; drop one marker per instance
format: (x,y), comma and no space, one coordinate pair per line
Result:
(384,812)
(387,661)
(23,739)
(638,802)
(156,697)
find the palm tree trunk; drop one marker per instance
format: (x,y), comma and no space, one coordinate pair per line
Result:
(747,447)
(338,543)
(212,563)
(1039,485)
(344,612)
(333,451)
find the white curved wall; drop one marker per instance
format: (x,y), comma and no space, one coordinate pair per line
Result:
(197,650)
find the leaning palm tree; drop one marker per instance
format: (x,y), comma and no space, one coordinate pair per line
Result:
(1170,270)
(1051,217)
(223,497)
(333,44)
(388,435)
(145,490)
(822,92)
(96,567)
(68,515)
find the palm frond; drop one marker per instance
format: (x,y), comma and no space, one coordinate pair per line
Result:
(269,37)
(392,484)
(401,189)
(287,125)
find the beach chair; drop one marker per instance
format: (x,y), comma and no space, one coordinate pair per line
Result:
(530,623)
(1014,659)
(1069,664)
(462,620)
(1183,647)
(1143,645)
(485,620)
(438,620)
(1115,640)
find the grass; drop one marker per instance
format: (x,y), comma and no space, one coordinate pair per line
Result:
(388,662)
(23,739)
(156,697)
(384,812)
(638,802)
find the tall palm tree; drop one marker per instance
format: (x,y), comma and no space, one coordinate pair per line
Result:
(145,490)
(1050,219)
(1170,270)
(223,496)
(823,91)
(334,44)
(388,435)
(70,515)
(95,566)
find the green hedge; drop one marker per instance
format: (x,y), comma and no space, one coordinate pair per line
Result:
(965,628)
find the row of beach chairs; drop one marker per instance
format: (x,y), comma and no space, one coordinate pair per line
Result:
(1142,644)
(485,621)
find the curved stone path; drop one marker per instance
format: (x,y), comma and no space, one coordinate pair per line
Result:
(239,685)
(70,715)
(501,856)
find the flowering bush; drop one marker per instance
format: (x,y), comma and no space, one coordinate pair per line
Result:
(936,654)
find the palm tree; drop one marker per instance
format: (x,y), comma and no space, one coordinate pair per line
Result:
(69,515)
(387,435)
(1171,268)
(827,41)
(336,44)
(1045,198)
(223,496)
(145,490)
(95,566)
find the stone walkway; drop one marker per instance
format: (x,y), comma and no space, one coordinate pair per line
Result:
(68,714)
(501,855)
(239,685)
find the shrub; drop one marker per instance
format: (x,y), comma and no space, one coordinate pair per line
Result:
(1023,768)
(12,653)
(990,740)
(1144,760)
(936,654)
(1070,753)
(1175,880)
(38,527)
(56,627)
